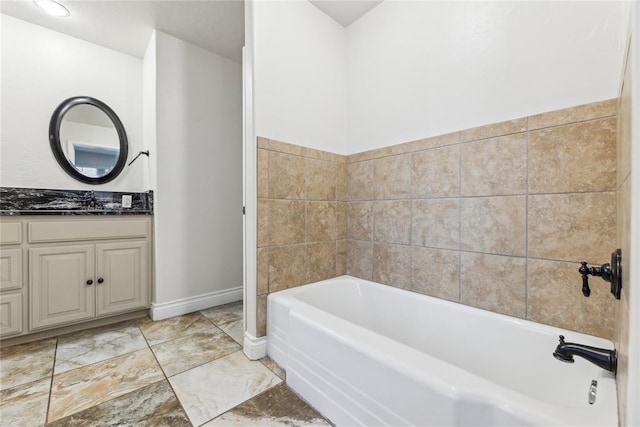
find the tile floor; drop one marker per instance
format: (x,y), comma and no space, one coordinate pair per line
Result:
(184,371)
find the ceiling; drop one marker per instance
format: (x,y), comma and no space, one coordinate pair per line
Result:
(345,12)
(126,26)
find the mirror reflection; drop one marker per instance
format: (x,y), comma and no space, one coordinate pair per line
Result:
(89,140)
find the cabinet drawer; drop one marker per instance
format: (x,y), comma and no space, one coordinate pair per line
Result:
(10,314)
(10,269)
(10,233)
(59,231)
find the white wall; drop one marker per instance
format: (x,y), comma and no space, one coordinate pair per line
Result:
(633,385)
(40,69)
(250,154)
(149,120)
(419,69)
(300,86)
(198,173)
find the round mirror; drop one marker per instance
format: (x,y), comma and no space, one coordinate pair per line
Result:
(88,140)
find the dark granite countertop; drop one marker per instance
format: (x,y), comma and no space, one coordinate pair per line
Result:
(34,201)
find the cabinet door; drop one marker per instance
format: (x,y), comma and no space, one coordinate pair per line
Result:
(122,277)
(61,285)
(10,269)
(10,314)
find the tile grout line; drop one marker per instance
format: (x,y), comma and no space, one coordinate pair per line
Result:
(179,373)
(476,196)
(373,220)
(154,354)
(475,252)
(94,363)
(246,400)
(459,198)
(411,219)
(166,378)
(53,372)
(232,408)
(526,227)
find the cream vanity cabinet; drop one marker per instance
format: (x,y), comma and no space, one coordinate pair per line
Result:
(12,289)
(81,269)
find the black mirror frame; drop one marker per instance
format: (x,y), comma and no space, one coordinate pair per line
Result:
(56,147)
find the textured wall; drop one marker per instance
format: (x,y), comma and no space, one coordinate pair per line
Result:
(495,217)
(423,68)
(73,67)
(301,218)
(299,75)
(197,179)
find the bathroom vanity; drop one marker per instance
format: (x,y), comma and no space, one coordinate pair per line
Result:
(71,267)
(71,259)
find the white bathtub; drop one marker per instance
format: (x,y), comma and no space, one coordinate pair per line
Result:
(368,354)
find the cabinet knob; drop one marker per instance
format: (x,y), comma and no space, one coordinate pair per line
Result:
(90,282)
(100,280)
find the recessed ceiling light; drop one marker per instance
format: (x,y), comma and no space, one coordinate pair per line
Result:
(52,7)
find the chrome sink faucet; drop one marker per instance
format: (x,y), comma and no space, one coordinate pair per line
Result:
(606,359)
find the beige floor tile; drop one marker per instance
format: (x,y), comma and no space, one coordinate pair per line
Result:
(184,353)
(236,379)
(229,318)
(154,405)
(25,405)
(25,363)
(174,327)
(275,368)
(234,330)
(82,388)
(98,344)
(276,407)
(224,313)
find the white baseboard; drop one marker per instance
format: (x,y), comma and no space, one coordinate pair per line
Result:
(254,348)
(189,305)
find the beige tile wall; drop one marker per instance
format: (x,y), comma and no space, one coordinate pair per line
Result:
(496,217)
(302,219)
(623,203)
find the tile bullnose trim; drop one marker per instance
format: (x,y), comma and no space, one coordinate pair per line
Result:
(493,130)
(298,150)
(578,113)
